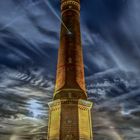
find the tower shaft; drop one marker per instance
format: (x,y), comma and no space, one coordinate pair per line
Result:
(70,111)
(70,68)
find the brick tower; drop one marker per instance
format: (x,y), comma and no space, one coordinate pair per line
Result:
(69,112)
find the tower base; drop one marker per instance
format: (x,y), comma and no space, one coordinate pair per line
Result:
(75,119)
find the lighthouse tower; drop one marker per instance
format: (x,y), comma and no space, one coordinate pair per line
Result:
(70,111)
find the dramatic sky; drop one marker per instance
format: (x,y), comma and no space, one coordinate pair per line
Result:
(29,41)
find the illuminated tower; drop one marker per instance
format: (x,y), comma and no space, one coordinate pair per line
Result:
(69,112)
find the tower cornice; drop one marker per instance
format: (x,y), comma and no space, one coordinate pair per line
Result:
(67,5)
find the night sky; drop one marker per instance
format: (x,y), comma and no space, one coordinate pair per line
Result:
(29,41)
